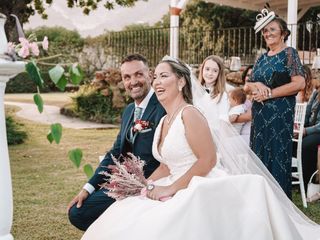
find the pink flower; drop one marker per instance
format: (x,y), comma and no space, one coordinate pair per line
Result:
(45,43)
(24,52)
(24,42)
(34,48)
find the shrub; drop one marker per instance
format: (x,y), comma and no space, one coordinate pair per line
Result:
(101,101)
(14,134)
(22,83)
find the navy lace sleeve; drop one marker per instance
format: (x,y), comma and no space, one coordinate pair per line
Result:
(294,64)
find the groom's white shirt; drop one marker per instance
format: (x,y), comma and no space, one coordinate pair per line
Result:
(88,187)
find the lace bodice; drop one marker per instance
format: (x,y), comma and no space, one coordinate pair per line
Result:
(175,151)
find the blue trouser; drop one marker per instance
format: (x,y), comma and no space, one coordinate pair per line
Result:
(90,210)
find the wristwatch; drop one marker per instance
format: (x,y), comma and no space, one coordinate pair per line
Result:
(269,95)
(150,186)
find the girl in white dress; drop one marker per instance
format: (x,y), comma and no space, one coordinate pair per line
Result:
(206,203)
(212,78)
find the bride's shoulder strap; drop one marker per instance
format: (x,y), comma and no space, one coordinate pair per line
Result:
(190,106)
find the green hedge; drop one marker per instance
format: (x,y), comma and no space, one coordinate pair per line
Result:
(14,134)
(97,107)
(22,83)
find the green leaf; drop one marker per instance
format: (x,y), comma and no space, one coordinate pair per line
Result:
(56,131)
(62,83)
(34,73)
(38,101)
(88,170)
(76,74)
(57,76)
(75,155)
(56,73)
(50,137)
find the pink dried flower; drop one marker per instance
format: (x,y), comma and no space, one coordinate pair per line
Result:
(45,43)
(126,178)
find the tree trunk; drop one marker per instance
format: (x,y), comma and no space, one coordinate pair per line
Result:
(21,10)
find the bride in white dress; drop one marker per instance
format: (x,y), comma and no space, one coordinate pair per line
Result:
(210,199)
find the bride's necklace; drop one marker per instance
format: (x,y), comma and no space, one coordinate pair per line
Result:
(169,119)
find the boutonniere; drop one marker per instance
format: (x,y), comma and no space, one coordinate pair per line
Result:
(140,125)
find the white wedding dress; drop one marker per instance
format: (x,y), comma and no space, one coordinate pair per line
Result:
(219,206)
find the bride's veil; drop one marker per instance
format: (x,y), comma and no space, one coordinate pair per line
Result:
(234,154)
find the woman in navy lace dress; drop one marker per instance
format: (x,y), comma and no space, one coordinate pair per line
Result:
(273,107)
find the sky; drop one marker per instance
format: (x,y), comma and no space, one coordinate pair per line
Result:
(101,19)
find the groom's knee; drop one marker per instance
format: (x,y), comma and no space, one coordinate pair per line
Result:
(90,210)
(78,218)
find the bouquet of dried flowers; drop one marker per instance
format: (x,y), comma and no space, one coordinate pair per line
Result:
(125,178)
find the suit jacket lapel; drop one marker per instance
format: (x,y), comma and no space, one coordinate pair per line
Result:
(127,125)
(150,108)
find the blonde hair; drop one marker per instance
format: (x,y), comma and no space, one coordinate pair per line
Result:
(220,84)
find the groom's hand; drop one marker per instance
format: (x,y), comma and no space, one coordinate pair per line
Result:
(83,195)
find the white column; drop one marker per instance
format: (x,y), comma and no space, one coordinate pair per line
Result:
(292,14)
(175,9)
(8,69)
(174,36)
(6,207)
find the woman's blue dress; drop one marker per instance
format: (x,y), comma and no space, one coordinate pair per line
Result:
(272,121)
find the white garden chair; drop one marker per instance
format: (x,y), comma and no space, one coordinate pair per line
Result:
(299,117)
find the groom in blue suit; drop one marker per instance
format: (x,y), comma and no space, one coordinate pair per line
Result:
(92,201)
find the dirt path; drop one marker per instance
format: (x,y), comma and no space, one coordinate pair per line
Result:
(51,114)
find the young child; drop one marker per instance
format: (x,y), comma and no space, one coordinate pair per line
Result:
(237,98)
(212,78)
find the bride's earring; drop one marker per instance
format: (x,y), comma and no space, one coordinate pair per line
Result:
(180,88)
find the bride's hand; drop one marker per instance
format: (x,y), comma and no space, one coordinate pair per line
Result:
(160,193)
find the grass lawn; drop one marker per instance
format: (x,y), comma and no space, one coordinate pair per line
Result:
(44,180)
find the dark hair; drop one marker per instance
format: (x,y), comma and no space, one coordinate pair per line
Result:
(239,95)
(181,70)
(220,85)
(283,27)
(245,72)
(135,57)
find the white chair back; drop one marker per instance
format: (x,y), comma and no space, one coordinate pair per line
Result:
(299,119)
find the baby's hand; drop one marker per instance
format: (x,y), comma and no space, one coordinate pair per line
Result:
(233,118)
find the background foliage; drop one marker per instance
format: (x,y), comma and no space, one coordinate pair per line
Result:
(15,135)
(100,101)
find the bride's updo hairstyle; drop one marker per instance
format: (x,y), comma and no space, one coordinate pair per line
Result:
(181,70)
